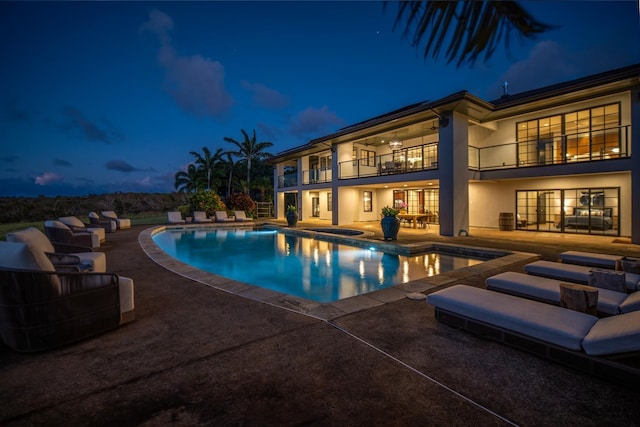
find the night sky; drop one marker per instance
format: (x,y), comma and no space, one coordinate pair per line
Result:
(101,97)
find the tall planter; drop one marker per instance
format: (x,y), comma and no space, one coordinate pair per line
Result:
(292,218)
(390,227)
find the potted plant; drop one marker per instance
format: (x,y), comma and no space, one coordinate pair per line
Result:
(292,216)
(390,223)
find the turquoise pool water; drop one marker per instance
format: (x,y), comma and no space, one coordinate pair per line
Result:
(310,268)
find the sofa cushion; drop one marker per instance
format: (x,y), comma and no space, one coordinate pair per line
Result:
(613,335)
(72,221)
(544,322)
(631,265)
(17,255)
(608,279)
(38,244)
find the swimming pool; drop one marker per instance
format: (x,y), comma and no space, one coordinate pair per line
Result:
(319,270)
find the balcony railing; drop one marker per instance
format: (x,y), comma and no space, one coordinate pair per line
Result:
(410,159)
(289,179)
(316,176)
(602,144)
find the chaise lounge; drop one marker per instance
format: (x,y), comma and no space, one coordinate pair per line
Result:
(242,217)
(547,290)
(200,217)
(574,273)
(175,218)
(221,216)
(602,347)
(590,259)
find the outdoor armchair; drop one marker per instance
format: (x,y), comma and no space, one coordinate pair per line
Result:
(51,257)
(122,223)
(76,225)
(59,232)
(109,225)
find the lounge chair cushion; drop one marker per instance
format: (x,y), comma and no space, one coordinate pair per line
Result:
(548,290)
(545,322)
(608,279)
(613,335)
(591,259)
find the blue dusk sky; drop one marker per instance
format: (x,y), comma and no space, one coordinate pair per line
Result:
(102,97)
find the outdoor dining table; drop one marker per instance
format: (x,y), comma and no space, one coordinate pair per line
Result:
(413,218)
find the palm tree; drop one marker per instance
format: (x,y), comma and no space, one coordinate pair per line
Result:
(249,149)
(207,164)
(229,163)
(475,26)
(187,181)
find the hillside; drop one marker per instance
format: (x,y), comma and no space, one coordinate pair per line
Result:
(16,209)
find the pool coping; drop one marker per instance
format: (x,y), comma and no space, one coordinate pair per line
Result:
(335,309)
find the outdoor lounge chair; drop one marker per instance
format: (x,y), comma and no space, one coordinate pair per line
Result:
(221,216)
(121,223)
(574,273)
(62,256)
(200,217)
(109,226)
(578,340)
(241,216)
(59,232)
(76,225)
(42,308)
(175,218)
(547,290)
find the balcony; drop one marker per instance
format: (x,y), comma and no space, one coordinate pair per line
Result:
(410,159)
(602,144)
(289,179)
(316,176)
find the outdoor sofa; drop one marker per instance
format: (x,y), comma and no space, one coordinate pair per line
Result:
(57,231)
(606,347)
(121,223)
(75,224)
(109,225)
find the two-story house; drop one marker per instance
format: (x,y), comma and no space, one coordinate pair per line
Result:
(555,159)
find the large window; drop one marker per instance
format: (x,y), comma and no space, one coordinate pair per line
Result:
(579,210)
(589,134)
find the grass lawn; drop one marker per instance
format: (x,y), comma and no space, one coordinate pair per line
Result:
(148,218)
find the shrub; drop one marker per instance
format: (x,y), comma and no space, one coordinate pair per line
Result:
(242,202)
(207,201)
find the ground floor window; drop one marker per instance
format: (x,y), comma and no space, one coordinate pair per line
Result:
(575,210)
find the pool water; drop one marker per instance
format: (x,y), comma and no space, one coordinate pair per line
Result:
(305,267)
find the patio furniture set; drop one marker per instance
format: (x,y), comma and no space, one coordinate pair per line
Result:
(535,312)
(55,288)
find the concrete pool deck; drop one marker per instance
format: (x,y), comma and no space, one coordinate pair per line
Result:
(197,355)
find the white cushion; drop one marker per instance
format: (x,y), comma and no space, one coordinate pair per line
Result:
(125,285)
(94,215)
(17,255)
(38,244)
(632,303)
(71,221)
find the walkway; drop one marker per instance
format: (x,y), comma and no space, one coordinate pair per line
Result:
(199,356)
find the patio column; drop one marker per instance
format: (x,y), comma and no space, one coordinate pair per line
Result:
(635,171)
(453,164)
(335,203)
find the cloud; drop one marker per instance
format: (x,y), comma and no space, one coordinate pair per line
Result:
(122,166)
(266,97)
(313,121)
(62,162)
(196,83)
(48,178)
(88,129)
(547,64)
